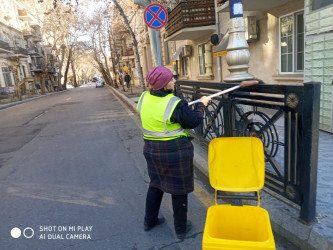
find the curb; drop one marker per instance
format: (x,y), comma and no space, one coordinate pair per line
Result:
(284,218)
(129,101)
(11,104)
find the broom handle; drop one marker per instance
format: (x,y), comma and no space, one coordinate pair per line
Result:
(243,84)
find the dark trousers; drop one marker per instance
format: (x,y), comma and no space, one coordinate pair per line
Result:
(179,205)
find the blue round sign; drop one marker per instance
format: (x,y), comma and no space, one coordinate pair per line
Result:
(156,16)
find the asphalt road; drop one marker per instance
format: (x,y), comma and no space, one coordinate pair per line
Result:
(72,166)
(72,176)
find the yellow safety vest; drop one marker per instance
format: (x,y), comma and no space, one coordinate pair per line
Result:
(156,123)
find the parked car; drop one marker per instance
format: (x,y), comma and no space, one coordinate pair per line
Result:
(99,83)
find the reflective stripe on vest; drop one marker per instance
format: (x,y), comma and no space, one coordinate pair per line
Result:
(167,113)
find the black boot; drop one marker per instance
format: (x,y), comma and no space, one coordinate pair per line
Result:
(182,235)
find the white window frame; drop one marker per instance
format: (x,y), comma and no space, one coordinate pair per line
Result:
(7,77)
(294,71)
(203,59)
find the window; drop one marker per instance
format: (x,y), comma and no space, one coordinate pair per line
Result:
(184,63)
(6,76)
(201,58)
(292,43)
(23,70)
(320,4)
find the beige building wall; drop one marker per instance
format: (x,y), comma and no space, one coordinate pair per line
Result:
(264,54)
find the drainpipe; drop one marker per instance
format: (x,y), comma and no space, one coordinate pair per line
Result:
(219,58)
(153,37)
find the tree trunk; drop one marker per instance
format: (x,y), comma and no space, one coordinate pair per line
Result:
(114,81)
(74,73)
(67,67)
(61,62)
(135,45)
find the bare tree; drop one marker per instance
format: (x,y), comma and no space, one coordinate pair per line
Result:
(135,43)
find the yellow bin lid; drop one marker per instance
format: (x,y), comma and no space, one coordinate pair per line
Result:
(236,164)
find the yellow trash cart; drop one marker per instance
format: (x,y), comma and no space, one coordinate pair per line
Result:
(237,164)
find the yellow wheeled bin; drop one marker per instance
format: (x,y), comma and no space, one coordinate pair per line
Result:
(237,164)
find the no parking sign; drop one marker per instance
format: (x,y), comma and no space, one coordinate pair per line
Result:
(155,16)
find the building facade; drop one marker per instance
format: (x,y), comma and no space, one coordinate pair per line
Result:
(319,55)
(21,54)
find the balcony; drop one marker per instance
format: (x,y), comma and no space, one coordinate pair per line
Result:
(129,52)
(51,70)
(17,53)
(191,20)
(4,47)
(36,68)
(24,15)
(33,52)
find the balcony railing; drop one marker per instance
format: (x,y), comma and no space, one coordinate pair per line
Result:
(36,68)
(129,52)
(33,51)
(190,14)
(18,50)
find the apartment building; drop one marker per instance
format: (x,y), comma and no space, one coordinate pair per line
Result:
(21,53)
(290,42)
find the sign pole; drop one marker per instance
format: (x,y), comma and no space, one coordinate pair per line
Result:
(158,49)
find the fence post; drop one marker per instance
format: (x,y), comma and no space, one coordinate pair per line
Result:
(228,116)
(309,129)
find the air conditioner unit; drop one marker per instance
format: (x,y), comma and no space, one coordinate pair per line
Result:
(187,51)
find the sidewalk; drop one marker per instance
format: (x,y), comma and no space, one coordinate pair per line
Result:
(284,218)
(6,103)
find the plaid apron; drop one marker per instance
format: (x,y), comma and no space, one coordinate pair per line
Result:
(170,165)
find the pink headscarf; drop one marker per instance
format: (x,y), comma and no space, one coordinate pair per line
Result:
(158,77)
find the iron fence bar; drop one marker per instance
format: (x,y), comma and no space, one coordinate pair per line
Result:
(308,144)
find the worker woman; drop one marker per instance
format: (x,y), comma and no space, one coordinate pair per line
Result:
(167,147)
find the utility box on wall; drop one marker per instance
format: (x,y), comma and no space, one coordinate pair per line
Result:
(251,31)
(187,50)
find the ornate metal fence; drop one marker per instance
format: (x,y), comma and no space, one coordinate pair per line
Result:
(284,117)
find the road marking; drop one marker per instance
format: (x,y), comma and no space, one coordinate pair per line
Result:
(204,196)
(68,98)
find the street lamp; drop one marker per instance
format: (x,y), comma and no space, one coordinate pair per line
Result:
(238,55)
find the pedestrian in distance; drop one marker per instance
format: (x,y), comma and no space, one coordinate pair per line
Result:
(127,80)
(168,149)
